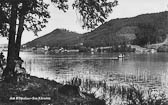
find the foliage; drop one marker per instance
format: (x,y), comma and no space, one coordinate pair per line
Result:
(94,11)
(34,11)
(61,4)
(148,34)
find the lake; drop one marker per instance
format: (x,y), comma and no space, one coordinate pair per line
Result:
(149,70)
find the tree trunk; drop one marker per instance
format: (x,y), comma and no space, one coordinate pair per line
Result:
(9,70)
(19,35)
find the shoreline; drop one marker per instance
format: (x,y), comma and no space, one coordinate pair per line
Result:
(40,91)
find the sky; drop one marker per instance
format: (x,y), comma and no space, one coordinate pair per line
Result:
(71,19)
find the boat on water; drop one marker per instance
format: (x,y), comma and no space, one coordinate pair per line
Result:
(114,58)
(121,56)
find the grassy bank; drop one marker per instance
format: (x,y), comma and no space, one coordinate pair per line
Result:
(38,91)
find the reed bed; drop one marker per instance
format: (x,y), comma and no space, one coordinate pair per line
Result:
(122,93)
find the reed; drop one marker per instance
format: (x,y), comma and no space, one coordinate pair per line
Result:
(117,93)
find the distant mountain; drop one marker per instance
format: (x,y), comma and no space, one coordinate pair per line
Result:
(56,38)
(140,30)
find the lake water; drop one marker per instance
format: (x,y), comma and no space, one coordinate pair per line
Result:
(146,69)
(149,70)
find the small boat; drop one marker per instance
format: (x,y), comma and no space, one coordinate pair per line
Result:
(114,58)
(121,56)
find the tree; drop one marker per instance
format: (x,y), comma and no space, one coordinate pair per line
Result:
(32,15)
(21,14)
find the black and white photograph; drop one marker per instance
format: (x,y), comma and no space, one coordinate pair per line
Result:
(83,52)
